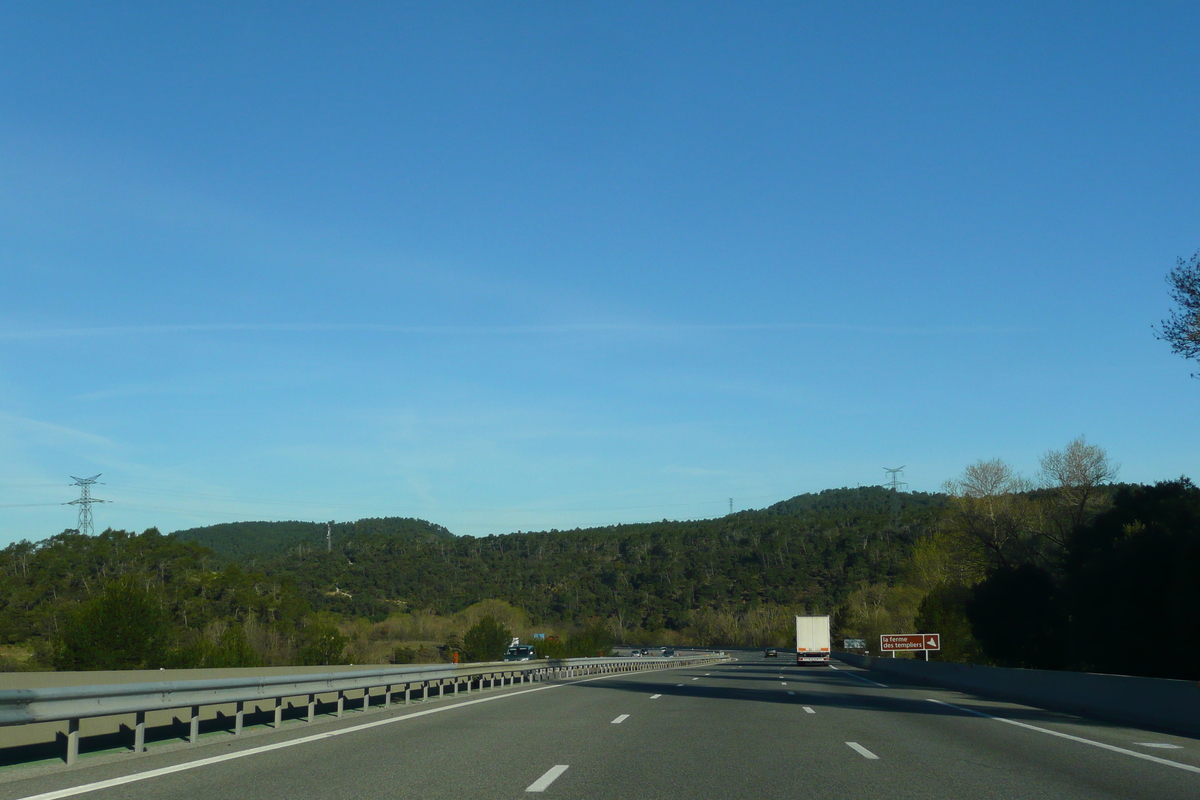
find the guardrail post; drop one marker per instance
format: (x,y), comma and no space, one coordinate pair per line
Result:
(406,691)
(366,699)
(194,726)
(387,696)
(312,707)
(278,712)
(341,702)
(72,741)
(139,732)
(238,718)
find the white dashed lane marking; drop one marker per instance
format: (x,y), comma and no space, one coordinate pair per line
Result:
(808,710)
(552,774)
(862,751)
(655,696)
(620,719)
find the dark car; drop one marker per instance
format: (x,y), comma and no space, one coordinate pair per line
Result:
(668,652)
(519,652)
(770,653)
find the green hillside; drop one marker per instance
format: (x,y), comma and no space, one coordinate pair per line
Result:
(252,541)
(809,551)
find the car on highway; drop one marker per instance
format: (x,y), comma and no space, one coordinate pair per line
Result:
(668,652)
(770,653)
(520,652)
(645,651)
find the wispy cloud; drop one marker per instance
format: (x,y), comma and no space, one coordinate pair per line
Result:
(12,334)
(49,432)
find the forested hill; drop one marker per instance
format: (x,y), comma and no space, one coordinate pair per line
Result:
(810,551)
(867,502)
(251,541)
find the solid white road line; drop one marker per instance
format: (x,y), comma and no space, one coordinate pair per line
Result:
(655,696)
(316,737)
(1160,745)
(620,719)
(860,677)
(1080,739)
(808,710)
(862,751)
(550,777)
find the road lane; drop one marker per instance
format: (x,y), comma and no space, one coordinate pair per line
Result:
(733,729)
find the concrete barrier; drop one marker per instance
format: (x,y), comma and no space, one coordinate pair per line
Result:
(1162,703)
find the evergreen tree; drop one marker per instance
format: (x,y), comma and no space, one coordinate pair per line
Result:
(486,640)
(125,627)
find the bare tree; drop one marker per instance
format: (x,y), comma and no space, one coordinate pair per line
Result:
(989,505)
(1182,328)
(1074,476)
(987,479)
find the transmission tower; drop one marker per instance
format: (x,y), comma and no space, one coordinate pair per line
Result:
(895,483)
(85,503)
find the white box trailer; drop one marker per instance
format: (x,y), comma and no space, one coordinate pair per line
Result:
(812,640)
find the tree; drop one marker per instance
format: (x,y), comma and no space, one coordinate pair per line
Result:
(219,645)
(876,609)
(594,640)
(322,645)
(944,611)
(1132,571)
(486,640)
(1017,616)
(1182,329)
(1074,476)
(988,505)
(122,628)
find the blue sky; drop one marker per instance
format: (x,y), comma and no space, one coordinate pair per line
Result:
(546,265)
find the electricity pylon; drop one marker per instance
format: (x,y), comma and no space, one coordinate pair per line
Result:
(85,503)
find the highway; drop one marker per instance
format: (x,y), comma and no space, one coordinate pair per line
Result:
(754,727)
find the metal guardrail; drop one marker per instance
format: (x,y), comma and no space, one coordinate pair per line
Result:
(74,703)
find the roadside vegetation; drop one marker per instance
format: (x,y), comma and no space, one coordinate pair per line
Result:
(1015,571)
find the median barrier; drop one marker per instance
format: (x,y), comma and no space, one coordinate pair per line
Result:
(1163,703)
(38,710)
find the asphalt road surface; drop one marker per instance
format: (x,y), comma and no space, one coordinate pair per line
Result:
(754,727)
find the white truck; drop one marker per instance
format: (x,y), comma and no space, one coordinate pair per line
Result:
(812,640)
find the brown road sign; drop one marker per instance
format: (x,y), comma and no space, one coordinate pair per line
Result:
(910,641)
